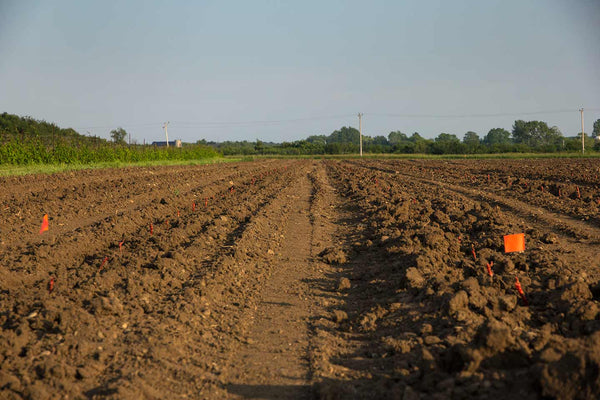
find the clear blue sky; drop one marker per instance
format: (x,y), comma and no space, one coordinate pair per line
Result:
(283,70)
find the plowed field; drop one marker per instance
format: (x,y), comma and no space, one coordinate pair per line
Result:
(303,279)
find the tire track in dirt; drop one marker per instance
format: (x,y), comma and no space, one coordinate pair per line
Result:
(272,361)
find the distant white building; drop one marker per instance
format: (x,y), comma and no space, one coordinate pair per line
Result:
(172,143)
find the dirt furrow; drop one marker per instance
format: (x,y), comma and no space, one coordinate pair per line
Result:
(580,235)
(121,196)
(207,312)
(573,194)
(280,356)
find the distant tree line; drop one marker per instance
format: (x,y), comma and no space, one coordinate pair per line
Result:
(26,140)
(525,137)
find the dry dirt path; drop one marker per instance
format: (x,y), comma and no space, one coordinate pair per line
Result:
(272,363)
(274,359)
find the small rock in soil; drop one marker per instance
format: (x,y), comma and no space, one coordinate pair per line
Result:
(550,355)
(429,340)
(426,328)
(550,238)
(344,284)
(414,278)
(508,302)
(339,316)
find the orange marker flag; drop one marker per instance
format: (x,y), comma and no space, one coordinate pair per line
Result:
(44,227)
(489,268)
(514,243)
(51,284)
(520,290)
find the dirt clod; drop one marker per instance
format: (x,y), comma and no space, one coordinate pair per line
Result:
(333,256)
(344,284)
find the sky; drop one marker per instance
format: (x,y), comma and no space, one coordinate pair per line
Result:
(283,70)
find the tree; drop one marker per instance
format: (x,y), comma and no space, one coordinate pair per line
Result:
(317,139)
(596,131)
(118,135)
(521,133)
(259,146)
(446,138)
(497,136)
(536,134)
(471,142)
(446,143)
(419,143)
(471,139)
(380,141)
(396,137)
(344,135)
(415,137)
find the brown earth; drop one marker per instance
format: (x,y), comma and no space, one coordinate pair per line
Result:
(302,279)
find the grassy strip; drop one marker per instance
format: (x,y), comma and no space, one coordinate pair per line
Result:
(15,170)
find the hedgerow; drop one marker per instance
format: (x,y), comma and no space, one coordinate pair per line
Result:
(31,151)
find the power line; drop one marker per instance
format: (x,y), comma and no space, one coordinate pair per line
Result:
(442,116)
(258,122)
(249,123)
(200,124)
(120,125)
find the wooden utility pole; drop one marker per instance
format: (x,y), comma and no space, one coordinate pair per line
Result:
(360,131)
(582,133)
(166,133)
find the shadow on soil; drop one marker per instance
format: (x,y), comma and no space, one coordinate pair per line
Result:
(399,341)
(271,392)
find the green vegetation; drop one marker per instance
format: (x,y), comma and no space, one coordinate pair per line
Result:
(118,135)
(28,145)
(526,137)
(12,170)
(26,141)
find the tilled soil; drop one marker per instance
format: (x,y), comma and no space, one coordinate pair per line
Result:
(302,279)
